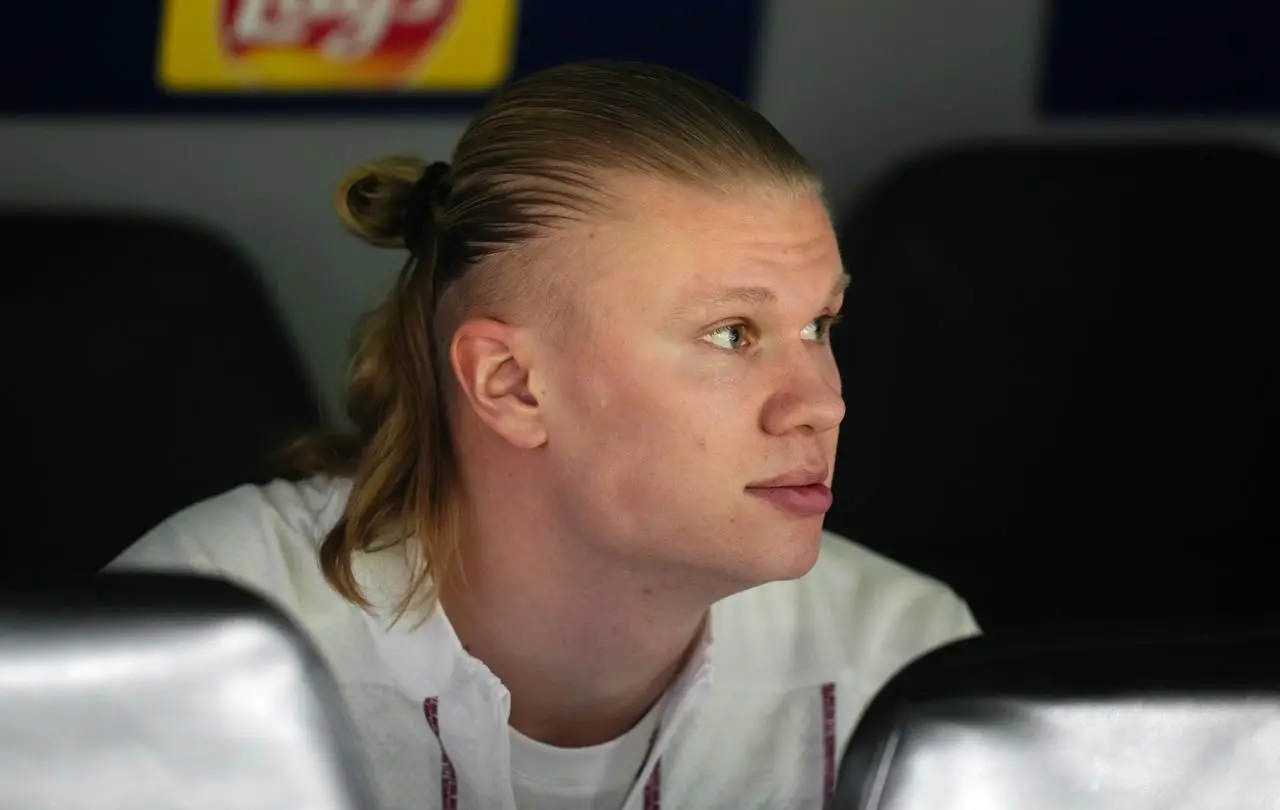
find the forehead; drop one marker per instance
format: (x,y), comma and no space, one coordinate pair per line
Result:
(668,242)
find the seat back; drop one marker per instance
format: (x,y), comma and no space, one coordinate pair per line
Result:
(132,692)
(1142,719)
(149,371)
(1060,396)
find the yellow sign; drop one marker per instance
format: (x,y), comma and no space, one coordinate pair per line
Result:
(243,46)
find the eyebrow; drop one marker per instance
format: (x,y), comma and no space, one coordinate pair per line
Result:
(745,296)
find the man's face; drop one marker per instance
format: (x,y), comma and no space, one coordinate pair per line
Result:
(697,376)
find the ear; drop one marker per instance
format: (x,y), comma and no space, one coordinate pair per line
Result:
(493,372)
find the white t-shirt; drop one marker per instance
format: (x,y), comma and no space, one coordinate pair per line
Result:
(755,722)
(595,778)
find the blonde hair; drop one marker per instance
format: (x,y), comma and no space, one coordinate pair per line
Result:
(539,152)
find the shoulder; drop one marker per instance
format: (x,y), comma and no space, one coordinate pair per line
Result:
(855,614)
(265,538)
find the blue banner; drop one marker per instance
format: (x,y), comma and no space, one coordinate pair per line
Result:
(1162,58)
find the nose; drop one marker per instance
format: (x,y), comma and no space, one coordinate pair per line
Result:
(806,398)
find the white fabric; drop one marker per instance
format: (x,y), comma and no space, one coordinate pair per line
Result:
(595,778)
(754,722)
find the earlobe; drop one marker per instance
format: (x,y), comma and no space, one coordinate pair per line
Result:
(494,375)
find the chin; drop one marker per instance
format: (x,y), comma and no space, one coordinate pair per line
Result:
(787,553)
(803,551)
(722,565)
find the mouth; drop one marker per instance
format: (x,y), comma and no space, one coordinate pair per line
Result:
(803,493)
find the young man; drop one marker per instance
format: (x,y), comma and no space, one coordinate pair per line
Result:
(572,555)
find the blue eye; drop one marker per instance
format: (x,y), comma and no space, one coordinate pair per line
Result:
(819,329)
(732,337)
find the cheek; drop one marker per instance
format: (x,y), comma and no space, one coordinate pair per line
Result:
(604,403)
(631,413)
(674,437)
(646,410)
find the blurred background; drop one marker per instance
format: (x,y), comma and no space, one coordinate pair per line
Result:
(1056,215)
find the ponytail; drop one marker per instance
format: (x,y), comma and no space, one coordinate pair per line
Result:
(400,459)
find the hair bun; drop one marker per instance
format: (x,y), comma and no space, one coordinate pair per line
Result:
(373,199)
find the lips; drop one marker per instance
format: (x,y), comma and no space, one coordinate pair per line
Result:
(803,492)
(801,477)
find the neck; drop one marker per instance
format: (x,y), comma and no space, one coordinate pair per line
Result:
(585,645)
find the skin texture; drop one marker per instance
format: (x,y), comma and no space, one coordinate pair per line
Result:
(610,461)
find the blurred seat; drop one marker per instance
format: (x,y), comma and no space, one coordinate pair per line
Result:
(148,371)
(128,692)
(1140,719)
(1061,398)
